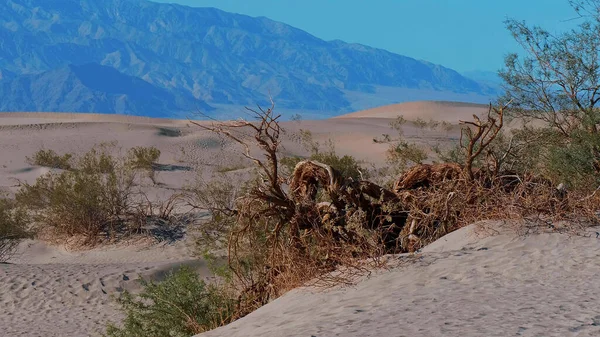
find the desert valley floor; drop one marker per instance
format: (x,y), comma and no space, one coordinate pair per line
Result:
(483,280)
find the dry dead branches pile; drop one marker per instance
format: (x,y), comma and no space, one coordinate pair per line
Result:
(288,230)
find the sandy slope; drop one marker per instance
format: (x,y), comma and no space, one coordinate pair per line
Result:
(470,283)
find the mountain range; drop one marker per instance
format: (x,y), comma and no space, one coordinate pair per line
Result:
(164,60)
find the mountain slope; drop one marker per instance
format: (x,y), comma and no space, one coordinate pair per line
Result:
(91,88)
(215,56)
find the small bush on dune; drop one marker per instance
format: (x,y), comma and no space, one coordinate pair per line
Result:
(144,158)
(49,158)
(141,157)
(98,160)
(96,198)
(13,227)
(180,306)
(78,202)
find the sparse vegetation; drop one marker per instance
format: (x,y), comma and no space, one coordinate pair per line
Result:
(145,158)
(285,230)
(95,199)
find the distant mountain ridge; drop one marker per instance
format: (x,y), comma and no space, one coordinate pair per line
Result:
(92,88)
(195,58)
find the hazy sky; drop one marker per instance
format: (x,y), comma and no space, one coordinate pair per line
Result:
(460,34)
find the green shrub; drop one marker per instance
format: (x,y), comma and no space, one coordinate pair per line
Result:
(49,158)
(13,227)
(181,305)
(576,162)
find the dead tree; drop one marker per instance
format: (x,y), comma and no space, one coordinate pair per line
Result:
(480,135)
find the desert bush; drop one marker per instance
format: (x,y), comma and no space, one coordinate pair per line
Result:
(294,225)
(303,221)
(13,227)
(180,306)
(217,194)
(49,158)
(144,158)
(575,162)
(93,198)
(98,160)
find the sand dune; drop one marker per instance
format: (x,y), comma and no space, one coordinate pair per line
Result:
(469,283)
(440,111)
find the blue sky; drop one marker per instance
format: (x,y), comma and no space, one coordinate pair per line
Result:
(461,34)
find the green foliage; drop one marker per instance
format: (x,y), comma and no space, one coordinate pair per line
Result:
(13,227)
(403,154)
(49,158)
(575,162)
(180,306)
(567,61)
(556,81)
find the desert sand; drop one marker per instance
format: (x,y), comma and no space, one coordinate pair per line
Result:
(462,285)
